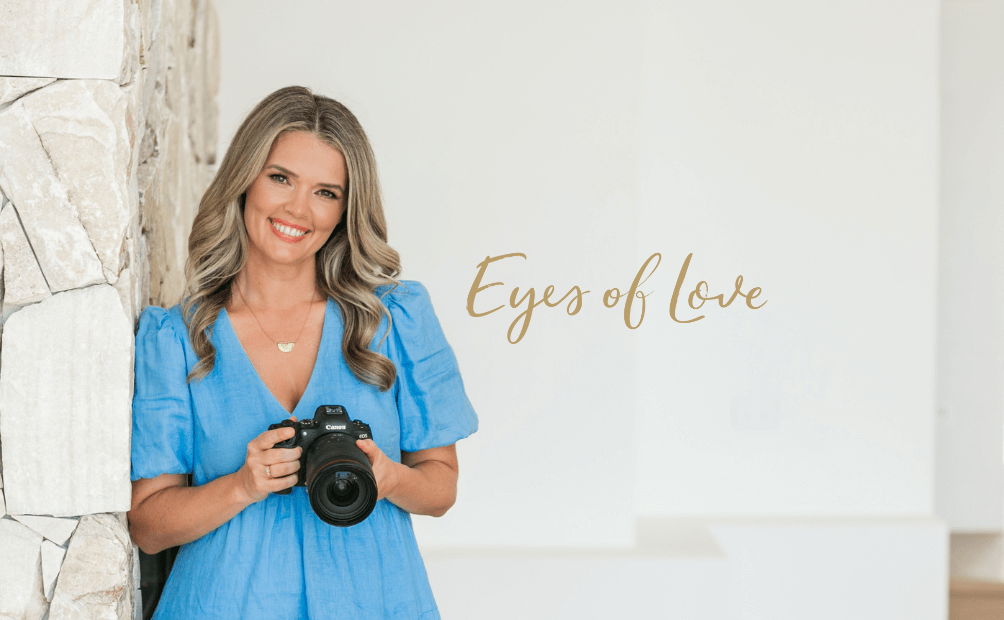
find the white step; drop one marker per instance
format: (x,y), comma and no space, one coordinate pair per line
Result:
(677,572)
(715,569)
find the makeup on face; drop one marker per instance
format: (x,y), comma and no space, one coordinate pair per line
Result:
(296,201)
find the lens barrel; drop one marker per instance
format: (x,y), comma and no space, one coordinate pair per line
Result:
(339,480)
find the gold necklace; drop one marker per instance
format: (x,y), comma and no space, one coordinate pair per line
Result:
(285,347)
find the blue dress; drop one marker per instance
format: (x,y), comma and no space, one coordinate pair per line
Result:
(276,559)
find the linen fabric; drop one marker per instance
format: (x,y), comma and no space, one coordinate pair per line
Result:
(276,559)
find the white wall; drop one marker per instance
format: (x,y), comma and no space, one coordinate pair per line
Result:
(793,143)
(970,447)
(493,136)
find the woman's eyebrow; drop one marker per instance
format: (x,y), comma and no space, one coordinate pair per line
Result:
(292,174)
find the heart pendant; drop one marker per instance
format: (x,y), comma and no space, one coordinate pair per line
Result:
(285,347)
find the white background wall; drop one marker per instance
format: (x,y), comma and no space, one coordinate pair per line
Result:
(970,450)
(794,143)
(494,136)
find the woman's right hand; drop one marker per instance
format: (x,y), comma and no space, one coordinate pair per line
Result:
(267,469)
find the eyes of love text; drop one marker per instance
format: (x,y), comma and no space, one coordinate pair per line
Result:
(633,299)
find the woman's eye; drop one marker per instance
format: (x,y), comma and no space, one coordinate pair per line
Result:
(328,194)
(278,178)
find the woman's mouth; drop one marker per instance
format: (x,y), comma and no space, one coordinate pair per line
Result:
(287,232)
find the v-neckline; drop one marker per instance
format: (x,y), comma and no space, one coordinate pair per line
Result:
(313,371)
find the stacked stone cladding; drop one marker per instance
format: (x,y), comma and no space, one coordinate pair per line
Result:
(107,140)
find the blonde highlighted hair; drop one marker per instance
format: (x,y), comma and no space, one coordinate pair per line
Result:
(350,265)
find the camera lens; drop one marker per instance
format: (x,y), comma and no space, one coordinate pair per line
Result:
(339,480)
(344,490)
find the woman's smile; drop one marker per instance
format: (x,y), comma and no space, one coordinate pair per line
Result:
(290,233)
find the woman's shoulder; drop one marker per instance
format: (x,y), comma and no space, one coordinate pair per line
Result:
(158,322)
(409,304)
(404,294)
(162,348)
(414,322)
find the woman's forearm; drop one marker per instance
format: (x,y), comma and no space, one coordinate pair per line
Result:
(176,515)
(426,488)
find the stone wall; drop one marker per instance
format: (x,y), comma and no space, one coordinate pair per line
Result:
(107,141)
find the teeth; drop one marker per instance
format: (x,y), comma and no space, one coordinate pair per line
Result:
(286,230)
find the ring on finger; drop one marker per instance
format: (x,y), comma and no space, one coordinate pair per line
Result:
(268,471)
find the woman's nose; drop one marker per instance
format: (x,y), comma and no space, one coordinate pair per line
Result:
(299,202)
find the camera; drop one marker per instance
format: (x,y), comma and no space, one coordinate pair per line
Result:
(339,480)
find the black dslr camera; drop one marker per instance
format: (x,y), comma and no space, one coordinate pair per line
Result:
(337,474)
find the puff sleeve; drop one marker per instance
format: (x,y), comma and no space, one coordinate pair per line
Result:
(162,405)
(432,403)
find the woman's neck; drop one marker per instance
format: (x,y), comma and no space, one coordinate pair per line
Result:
(277,286)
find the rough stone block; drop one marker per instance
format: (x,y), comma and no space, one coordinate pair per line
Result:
(83,129)
(13,87)
(95,582)
(178,152)
(56,530)
(21,594)
(125,287)
(65,394)
(1,292)
(55,38)
(61,245)
(133,284)
(23,282)
(52,559)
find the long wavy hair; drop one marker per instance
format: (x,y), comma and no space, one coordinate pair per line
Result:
(350,265)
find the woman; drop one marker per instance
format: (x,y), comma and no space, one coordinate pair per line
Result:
(291,303)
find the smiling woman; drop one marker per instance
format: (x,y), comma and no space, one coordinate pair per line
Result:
(288,216)
(279,192)
(292,304)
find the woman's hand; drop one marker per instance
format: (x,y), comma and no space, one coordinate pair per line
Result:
(424,482)
(267,469)
(385,470)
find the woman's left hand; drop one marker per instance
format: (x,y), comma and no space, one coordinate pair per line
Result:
(384,469)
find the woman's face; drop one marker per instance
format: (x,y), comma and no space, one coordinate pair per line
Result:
(296,200)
